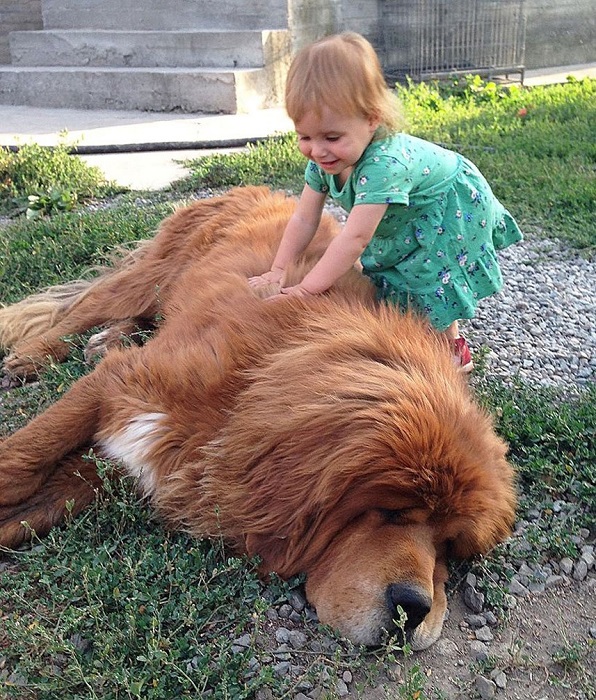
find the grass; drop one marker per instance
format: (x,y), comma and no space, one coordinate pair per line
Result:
(39,180)
(44,251)
(114,606)
(536,147)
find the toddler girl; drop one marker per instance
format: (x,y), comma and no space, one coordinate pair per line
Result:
(422,220)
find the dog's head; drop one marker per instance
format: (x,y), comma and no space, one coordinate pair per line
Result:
(361,460)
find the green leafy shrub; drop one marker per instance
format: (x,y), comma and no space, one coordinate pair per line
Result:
(56,178)
(276,162)
(56,200)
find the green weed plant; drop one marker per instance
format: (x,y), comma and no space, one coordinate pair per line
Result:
(276,162)
(41,180)
(42,252)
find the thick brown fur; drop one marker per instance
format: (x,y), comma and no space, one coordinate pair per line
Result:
(329,436)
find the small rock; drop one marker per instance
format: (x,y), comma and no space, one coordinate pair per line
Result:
(479,650)
(499,678)
(485,687)
(473,599)
(297,601)
(553,581)
(282,635)
(446,647)
(484,634)
(282,652)
(285,611)
(475,621)
(241,644)
(566,565)
(394,672)
(509,601)
(471,580)
(518,588)
(282,668)
(341,688)
(491,618)
(297,639)
(580,570)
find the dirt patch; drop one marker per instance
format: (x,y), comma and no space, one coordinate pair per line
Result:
(545,651)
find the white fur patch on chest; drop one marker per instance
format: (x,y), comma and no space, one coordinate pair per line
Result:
(133,446)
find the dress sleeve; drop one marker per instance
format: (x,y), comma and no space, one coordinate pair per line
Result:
(314,178)
(383,179)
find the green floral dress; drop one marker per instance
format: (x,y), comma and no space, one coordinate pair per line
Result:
(434,249)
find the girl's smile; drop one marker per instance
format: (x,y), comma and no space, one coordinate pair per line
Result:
(334,141)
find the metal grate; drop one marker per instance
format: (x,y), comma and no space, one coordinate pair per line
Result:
(426,39)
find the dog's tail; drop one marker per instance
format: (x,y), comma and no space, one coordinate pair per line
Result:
(39,312)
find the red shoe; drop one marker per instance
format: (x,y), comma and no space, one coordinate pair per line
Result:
(462,355)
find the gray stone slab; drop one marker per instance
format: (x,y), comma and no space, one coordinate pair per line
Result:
(174,14)
(206,90)
(101,48)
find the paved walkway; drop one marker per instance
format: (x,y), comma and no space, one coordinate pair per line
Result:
(148,145)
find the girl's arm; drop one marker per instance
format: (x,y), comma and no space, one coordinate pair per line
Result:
(343,251)
(299,232)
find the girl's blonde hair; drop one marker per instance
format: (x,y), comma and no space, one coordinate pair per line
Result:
(341,72)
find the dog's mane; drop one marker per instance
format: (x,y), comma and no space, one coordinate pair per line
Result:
(354,429)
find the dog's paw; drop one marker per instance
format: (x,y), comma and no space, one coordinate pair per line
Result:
(18,369)
(267,290)
(8,382)
(64,495)
(98,345)
(121,334)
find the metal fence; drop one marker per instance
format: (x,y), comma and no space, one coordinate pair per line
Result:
(426,39)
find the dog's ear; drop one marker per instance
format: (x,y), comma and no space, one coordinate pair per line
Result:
(485,520)
(479,537)
(271,551)
(303,540)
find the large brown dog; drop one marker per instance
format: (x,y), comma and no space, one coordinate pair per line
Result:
(329,436)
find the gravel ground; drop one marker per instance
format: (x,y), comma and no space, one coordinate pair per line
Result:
(542,325)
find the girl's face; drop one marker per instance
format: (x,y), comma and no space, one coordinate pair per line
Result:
(334,141)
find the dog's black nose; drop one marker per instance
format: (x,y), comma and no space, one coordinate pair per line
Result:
(415,603)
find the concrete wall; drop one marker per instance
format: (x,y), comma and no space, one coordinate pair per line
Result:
(560,32)
(16,15)
(310,20)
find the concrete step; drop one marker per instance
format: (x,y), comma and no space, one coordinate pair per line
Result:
(172,15)
(210,49)
(207,90)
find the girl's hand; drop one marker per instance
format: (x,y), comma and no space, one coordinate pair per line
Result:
(272,277)
(296,291)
